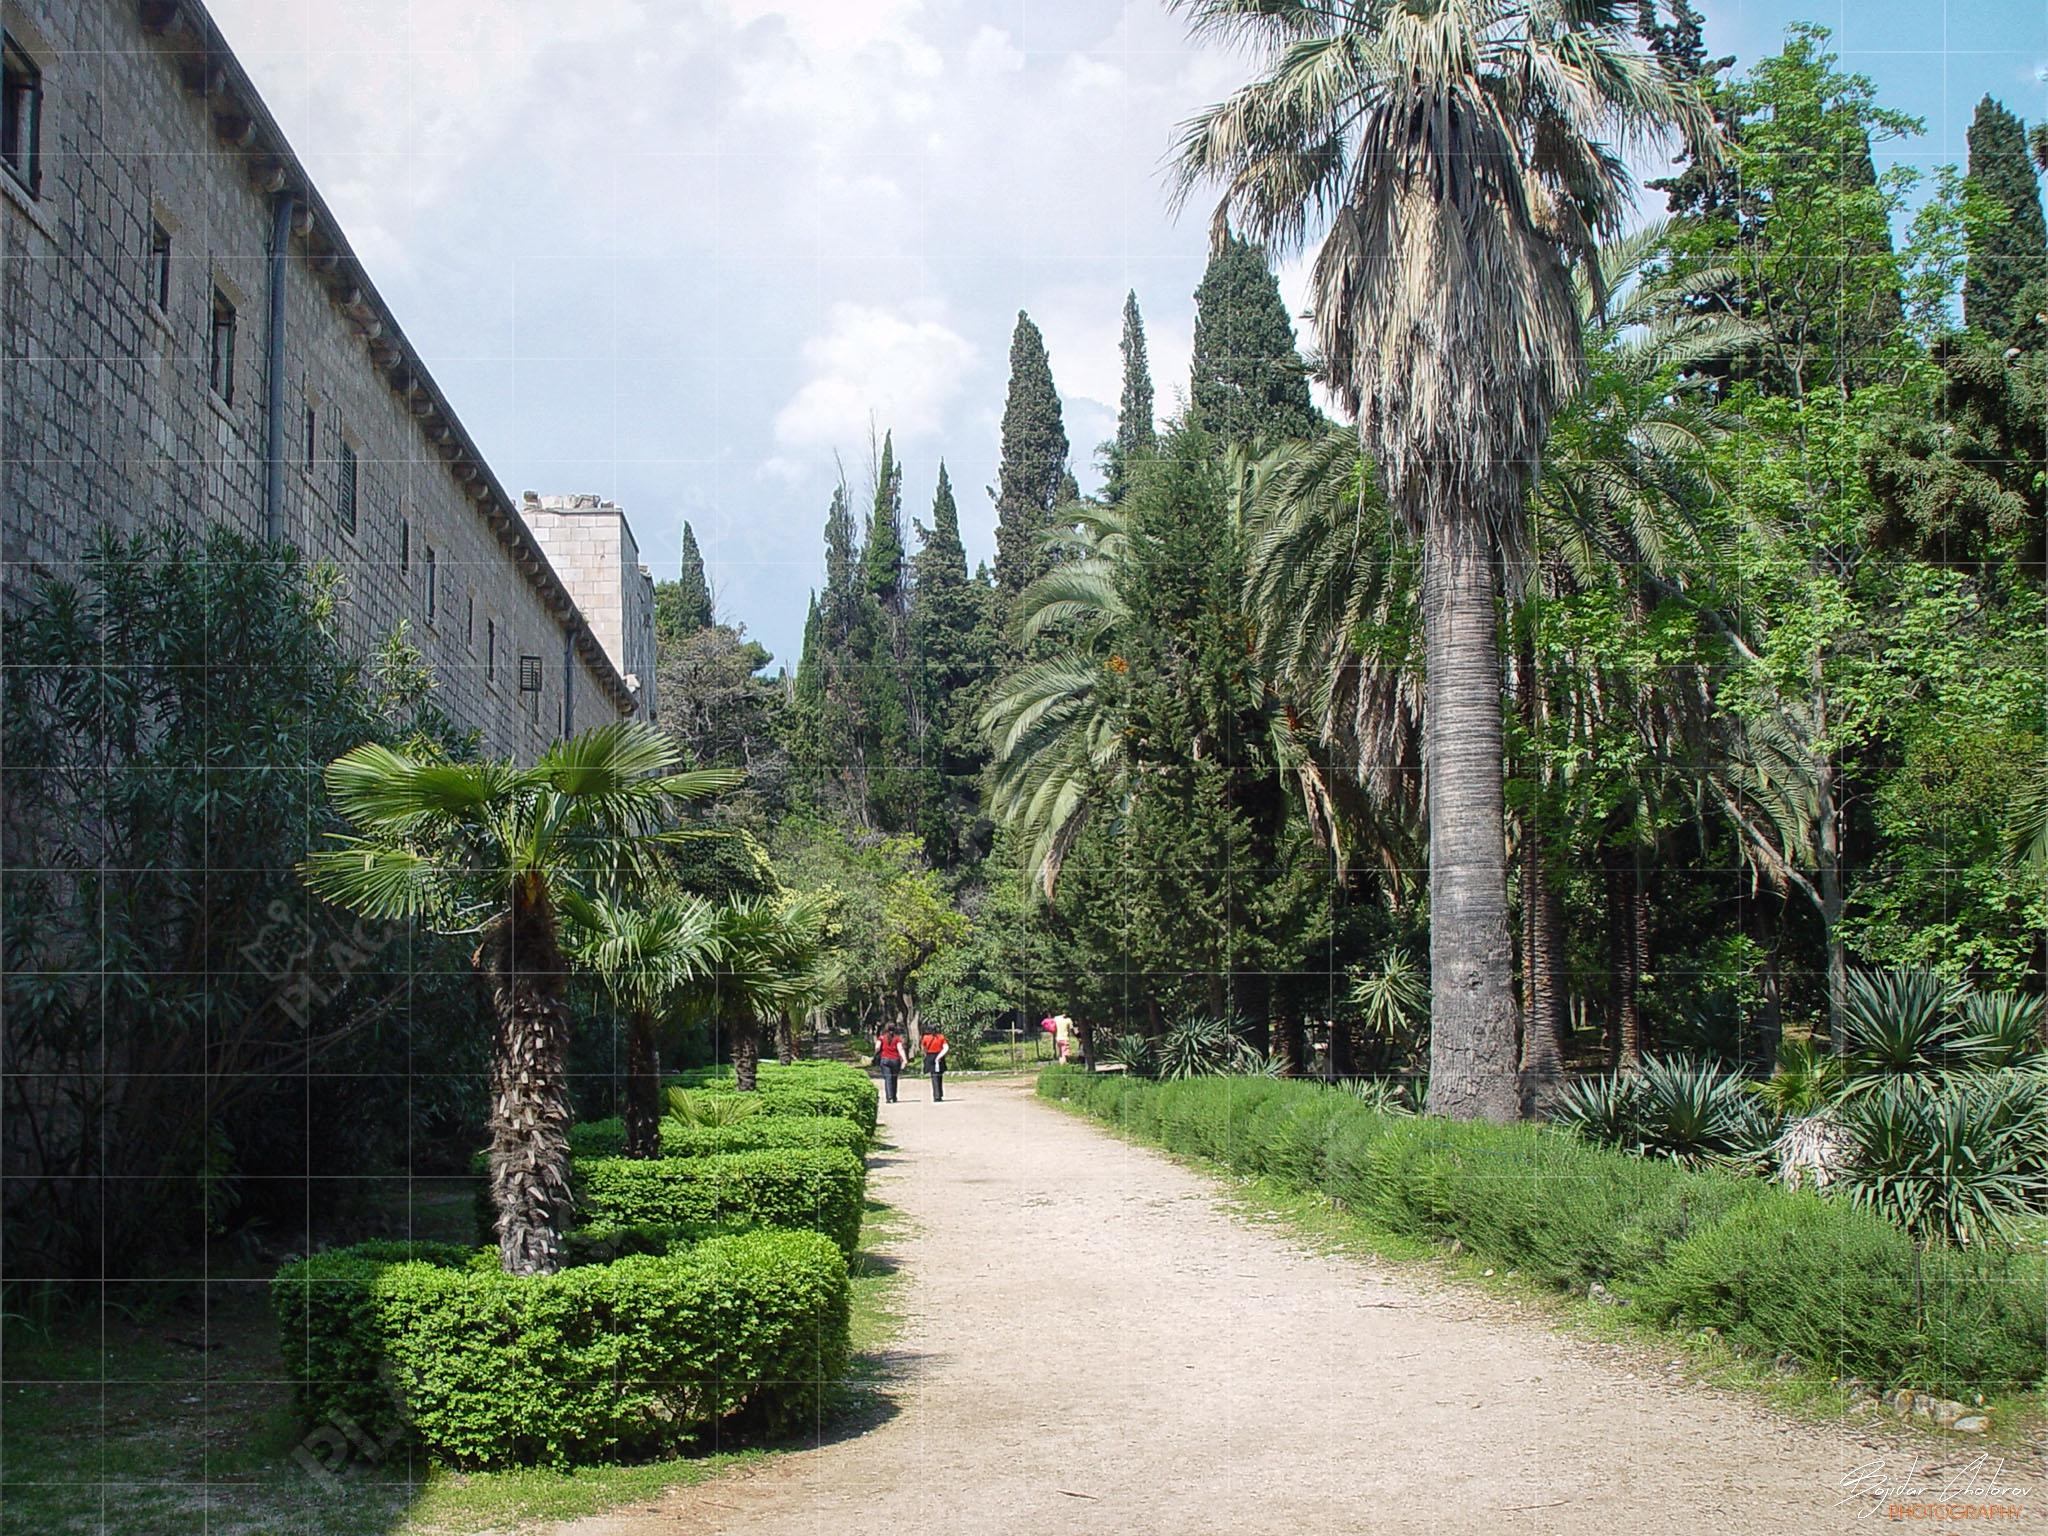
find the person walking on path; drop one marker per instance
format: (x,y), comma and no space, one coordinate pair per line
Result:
(934,1046)
(889,1057)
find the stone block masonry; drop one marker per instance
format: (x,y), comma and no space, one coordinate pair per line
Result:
(136,296)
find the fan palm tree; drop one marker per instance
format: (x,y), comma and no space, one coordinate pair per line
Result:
(1460,158)
(489,849)
(772,956)
(643,954)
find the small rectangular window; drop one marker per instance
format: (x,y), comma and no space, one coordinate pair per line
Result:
(312,437)
(221,353)
(433,592)
(160,266)
(529,674)
(490,648)
(404,545)
(21,115)
(469,620)
(345,497)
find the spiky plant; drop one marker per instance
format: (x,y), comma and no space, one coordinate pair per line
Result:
(1393,1000)
(700,1110)
(1604,1110)
(1900,1024)
(1130,1050)
(1198,1047)
(1962,1164)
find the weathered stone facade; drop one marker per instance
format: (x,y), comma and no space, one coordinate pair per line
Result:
(591,546)
(136,324)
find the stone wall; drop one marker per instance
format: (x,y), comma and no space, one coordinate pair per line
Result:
(108,413)
(591,546)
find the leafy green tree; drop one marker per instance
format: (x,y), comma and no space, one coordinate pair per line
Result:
(2007,285)
(1248,381)
(490,849)
(1443,308)
(683,606)
(1033,477)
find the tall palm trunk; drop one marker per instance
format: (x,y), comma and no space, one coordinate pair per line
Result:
(1290,1044)
(1543,992)
(529,1159)
(1627,923)
(643,1087)
(746,1053)
(1472,1058)
(785,1039)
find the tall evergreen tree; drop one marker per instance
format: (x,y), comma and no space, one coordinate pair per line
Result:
(2008,258)
(1248,378)
(683,606)
(953,642)
(1034,461)
(1136,437)
(882,558)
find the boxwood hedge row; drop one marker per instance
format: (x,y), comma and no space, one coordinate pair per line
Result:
(800,1088)
(607,1138)
(639,1356)
(820,1190)
(1775,1269)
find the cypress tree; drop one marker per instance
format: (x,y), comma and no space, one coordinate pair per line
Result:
(841,601)
(1034,461)
(1136,437)
(882,560)
(683,606)
(1248,379)
(2009,257)
(953,643)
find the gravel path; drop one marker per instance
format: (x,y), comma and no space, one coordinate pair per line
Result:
(1094,1344)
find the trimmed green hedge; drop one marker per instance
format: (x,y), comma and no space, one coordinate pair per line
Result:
(640,1356)
(822,1190)
(1775,1269)
(801,1088)
(607,1138)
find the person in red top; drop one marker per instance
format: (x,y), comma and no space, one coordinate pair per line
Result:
(889,1057)
(934,1047)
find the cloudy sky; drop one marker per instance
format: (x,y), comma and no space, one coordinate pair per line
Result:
(684,252)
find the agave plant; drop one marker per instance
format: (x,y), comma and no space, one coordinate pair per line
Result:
(1249,1061)
(1900,1024)
(1962,1164)
(1132,1052)
(1196,1047)
(2001,1031)
(1605,1110)
(708,1110)
(1697,1111)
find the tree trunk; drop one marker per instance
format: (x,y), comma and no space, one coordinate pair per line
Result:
(1291,1041)
(529,1124)
(1343,1061)
(1627,1046)
(643,1087)
(1639,937)
(746,1053)
(1828,839)
(1542,1020)
(1472,1057)
(785,1039)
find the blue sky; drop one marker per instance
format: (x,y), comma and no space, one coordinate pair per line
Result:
(683,252)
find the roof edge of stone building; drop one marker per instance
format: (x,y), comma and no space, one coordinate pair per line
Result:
(243,123)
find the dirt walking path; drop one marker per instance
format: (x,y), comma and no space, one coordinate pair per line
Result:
(1094,1345)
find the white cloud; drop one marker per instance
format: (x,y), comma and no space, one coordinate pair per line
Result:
(872,366)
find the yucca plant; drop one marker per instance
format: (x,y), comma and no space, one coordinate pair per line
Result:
(1393,1000)
(1697,1111)
(1131,1051)
(1249,1061)
(1962,1164)
(1605,1110)
(1901,1023)
(1197,1047)
(2001,1031)
(1380,1095)
(700,1111)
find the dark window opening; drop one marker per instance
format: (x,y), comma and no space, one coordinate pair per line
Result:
(490,648)
(160,266)
(346,499)
(404,545)
(529,674)
(469,621)
(312,437)
(220,364)
(433,594)
(21,116)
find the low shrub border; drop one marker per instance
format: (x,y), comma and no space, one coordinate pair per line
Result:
(607,1138)
(1777,1270)
(820,1190)
(436,1345)
(801,1088)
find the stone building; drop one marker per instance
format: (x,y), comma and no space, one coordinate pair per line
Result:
(186,334)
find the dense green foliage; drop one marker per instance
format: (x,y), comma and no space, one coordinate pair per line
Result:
(644,1355)
(1248,381)
(838,1087)
(819,1189)
(1032,479)
(1779,1270)
(752,1132)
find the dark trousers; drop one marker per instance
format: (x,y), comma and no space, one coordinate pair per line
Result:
(890,1071)
(938,1072)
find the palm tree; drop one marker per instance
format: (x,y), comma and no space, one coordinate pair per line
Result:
(1460,158)
(488,849)
(644,955)
(772,955)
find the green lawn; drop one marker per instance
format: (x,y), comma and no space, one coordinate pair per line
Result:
(169,1418)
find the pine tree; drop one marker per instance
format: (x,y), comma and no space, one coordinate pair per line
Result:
(1034,461)
(2006,258)
(1249,383)
(683,606)
(1136,437)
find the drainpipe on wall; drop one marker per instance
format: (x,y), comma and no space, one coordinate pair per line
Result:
(568,680)
(273,447)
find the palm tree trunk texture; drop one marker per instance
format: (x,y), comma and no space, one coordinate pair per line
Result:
(1624,935)
(529,1159)
(1543,993)
(785,1039)
(746,1053)
(643,1088)
(1472,1057)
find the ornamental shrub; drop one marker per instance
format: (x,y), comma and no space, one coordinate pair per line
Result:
(1770,1268)
(437,1345)
(607,1138)
(816,1189)
(802,1087)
